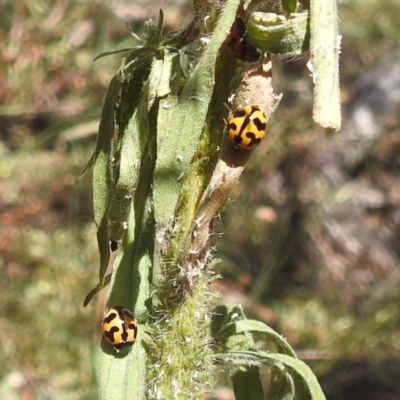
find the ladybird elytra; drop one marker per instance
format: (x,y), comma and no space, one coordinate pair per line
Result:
(246,127)
(120,328)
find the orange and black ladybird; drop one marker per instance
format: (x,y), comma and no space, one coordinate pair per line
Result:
(237,42)
(246,127)
(120,328)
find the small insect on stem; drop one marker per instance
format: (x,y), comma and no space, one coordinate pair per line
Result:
(120,328)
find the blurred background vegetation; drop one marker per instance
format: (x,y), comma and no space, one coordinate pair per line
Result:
(311,239)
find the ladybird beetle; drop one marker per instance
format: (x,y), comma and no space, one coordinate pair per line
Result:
(237,42)
(120,328)
(247,127)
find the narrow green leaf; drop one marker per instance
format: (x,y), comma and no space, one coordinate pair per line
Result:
(102,176)
(134,185)
(161,76)
(300,387)
(223,315)
(102,173)
(86,168)
(167,72)
(300,368)
(248,325)
(159,26)
(185,120)
(154,80)
(96,290)
(130,284)
(241,357)
(131,144)
(300,371)
(324,56)
(281,385)
(135,52)
(122,376)
(247,384)
(109,53)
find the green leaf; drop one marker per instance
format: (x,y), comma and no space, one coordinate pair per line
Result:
(230,326)
(154,80)
(159,26)
(298,367)
(276,34)
(240,358)
(281,385)
(102,173)
(300,387)
(251,326)
(305,382)
(109,53)
(131,143)
(133,135)
(132,266)
(324,56)
(259,327)
(151,31)
(289,6)
(161,76)
(247,384)
(183,122)
(122,376)
(96,290)
(222,316)
(130,283)
(88,166)
(169,68)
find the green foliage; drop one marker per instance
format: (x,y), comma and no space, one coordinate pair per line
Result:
(138,186)
(49,113)
(247,384)
(291,378)
(176,143)
(278,35)
(102,175)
